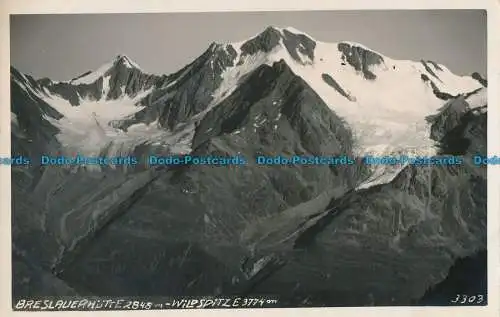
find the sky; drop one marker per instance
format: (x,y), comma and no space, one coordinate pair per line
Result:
(64,46)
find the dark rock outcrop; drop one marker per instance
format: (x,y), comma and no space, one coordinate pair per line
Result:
(438,93)
(457,126)
(32,132)
(360,58)
(264,42)
(467,279)
(448,117)
(31,281)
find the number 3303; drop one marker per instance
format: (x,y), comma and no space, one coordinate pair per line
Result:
(465,299)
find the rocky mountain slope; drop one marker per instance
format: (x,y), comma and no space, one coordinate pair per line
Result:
(315,235)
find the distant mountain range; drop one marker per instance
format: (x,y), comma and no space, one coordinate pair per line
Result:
(316,236)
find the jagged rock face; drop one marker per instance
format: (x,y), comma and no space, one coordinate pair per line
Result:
(467,135)
(209,206)
(429,70)
(409,231)
(300,231)
(187,92)
(454,127)
(448,118)
(333,83)
(32,133)
(361,59)
(120,79)
(459,280)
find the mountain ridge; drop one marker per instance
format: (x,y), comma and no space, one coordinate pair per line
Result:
(177,102)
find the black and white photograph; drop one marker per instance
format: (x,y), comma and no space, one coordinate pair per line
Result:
(260,159)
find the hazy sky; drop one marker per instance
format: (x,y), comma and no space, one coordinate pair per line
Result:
(63,46)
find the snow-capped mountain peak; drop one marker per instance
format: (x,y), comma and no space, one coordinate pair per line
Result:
(384,100)
(105,69)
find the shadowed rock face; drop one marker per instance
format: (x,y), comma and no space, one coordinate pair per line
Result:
(448,118)
(435,65)
(461,281)
(360,58)
(479,78)
(32,134)
(299,231)
(441,95)
(409,231)
(72,93)
(298,42)
(272,37)
(457,125)
(264,42)
(201,208)
(122,80)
